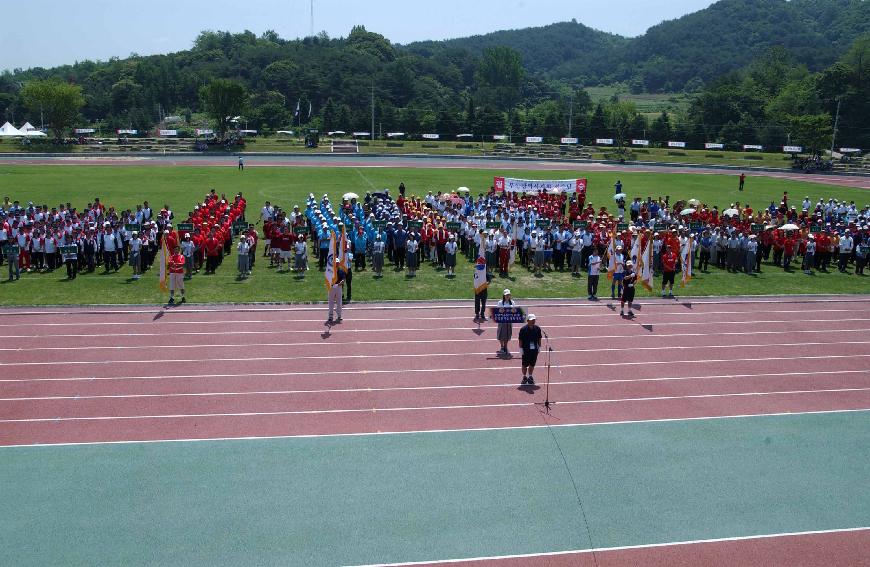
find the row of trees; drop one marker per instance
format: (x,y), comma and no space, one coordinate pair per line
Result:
(330,84)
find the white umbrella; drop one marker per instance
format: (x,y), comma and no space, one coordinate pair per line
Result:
(730,212)
(790,226)
(463,190)
(555,191)
(619,196)
(349,196)
(685,212)
(694,202)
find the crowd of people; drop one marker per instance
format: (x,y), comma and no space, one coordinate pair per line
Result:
(537,232)
(39,238)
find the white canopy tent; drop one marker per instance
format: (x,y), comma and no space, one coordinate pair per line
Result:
(8,130)
(27,127)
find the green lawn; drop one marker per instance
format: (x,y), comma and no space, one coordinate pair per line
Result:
(182,187)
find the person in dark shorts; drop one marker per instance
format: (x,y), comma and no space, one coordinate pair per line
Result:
(530,345)
(628,289)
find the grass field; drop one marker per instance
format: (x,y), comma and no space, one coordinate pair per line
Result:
(123,187)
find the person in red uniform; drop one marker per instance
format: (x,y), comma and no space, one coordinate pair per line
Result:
(176,275)
(669,268)
(213,248)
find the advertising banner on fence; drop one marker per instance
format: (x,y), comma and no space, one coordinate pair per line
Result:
(714,146)
(168,132)
(640,142)
(431,136)
(604,141)
(752,147)
(84,130)
(792,149)
(676,144)
(569,141)
(850,150)
(131,132)
(534,139)
(536,186)
(499,137)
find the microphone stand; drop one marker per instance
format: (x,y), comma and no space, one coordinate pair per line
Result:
(547,403)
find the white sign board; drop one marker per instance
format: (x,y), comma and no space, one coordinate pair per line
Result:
(792,149)
(395,134)
(604,141)
(752,147)
(676,144)
(132,132)
(569,141)
(499,137)
(168,132)
(204,132)
(534,139)
(431,136)
(714,146)
(84,130)
(640,142)
(850,150)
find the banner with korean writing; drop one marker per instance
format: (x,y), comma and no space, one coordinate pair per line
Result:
(537,186)
(714,146)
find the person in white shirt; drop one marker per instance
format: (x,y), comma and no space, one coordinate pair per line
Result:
(594,272)
(450,259)
(809,255)
(846,246)
(378,255)
(243,248)
(301,255)
(135,259)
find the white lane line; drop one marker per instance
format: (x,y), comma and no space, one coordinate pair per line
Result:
(427,408)
(512,385)
(396,355)
(101,309)
(428,370)
(602,313)
(622,548)
(441,431)
(426,341)
(292,331)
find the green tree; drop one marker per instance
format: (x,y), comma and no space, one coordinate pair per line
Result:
(813,132)
(598,124)
(620,116)
(58,102)
(660,129)
(223,99)
(499,77)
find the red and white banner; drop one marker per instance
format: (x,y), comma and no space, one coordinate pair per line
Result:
(536,186)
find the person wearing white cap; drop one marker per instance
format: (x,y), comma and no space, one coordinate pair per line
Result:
(450,255)
(188,250)
(529,339)
(505,330)
(809,255)
(135,259)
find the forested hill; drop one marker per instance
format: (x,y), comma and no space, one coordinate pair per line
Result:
(565,50)
(706,44)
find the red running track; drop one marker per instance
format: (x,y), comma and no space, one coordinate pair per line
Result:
(115,374)
(842,548)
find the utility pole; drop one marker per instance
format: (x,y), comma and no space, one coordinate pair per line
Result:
(373,111)
(571,113)
(312,18)
(836,122)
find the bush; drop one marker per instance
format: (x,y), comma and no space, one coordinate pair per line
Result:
(676,153)
(465,146)
(395,145)
(753,157)
(430,146)
(715,155)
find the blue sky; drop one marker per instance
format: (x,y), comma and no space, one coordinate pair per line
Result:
(45,33)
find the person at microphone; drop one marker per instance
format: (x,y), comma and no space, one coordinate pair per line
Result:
(530,344)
